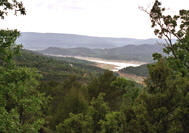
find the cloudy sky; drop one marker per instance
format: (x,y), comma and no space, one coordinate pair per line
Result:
(107,18)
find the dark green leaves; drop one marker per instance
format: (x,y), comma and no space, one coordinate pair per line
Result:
(15,5)
(8,48)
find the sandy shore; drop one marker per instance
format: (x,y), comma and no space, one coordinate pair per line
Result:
(106,60)
(113,65)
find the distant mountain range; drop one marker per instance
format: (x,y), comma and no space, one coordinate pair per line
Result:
(37,41)
(128,52)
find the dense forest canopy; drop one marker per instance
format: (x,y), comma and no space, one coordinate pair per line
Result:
(101,101)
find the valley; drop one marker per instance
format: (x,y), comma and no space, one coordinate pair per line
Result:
(112,65)
(108,83)
(105,53)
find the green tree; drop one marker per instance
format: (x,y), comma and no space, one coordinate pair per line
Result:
(67,97)
(73,102)
(102,84)
(178,59)
(90,121)
(7,6)
(112,123)
(163,104)
(112,86)
(97,111)
(8,48)
(76,123)
(21,103)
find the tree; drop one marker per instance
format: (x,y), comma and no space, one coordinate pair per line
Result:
(97,111)
(90,121)
(67,97)
(164,100)
(169,26)
(21,103)
(8,48)
(76,123)
(111,86)
(15,5)
(112,123)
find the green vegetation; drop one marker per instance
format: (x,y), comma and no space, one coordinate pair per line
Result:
(72,92)
(57,68)
(102,102)
(21,103)
(83,107)
(129,52)
(139,71)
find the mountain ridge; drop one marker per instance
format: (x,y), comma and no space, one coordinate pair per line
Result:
(38,41)
(129,52)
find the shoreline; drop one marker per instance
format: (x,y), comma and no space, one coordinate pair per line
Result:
(112,60)
(113,65)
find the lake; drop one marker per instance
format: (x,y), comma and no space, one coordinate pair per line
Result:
(113,65)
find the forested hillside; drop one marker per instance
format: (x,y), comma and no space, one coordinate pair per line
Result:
(41,94)
(139,71)
(130,52)
(57,68)
(72,86)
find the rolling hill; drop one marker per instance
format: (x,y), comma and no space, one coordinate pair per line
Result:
(139,71)
(57,68)
(129,52)
(39,41)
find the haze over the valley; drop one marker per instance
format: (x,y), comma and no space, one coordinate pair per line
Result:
(105,18)
(40,41)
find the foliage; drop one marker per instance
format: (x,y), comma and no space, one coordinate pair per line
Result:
(102,103)
(20,100)
(114,88)
(21,103)
(8,48)
(112,123)
(139,71)
(76,123)
(97,111)
(159,106)
(7,6)
(167,26)
(72,104)
(58,69)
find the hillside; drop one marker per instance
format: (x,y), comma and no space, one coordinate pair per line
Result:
(56,68)
(139,71)
(36,41)
(129,52)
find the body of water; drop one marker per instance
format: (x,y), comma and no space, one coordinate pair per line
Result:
(113,65)
(116,66)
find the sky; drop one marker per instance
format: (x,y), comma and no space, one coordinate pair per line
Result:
(104,18)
